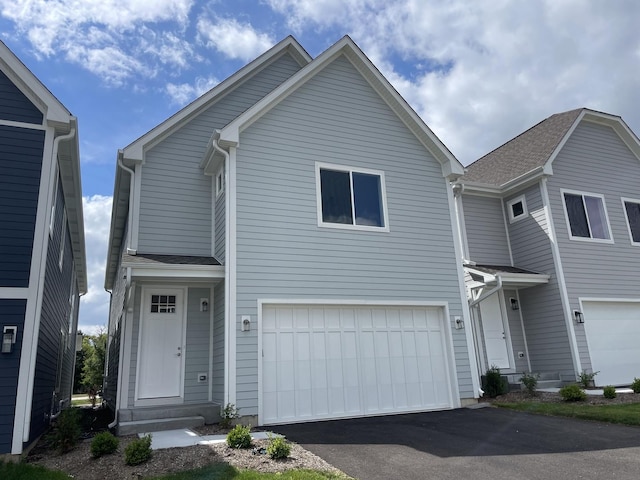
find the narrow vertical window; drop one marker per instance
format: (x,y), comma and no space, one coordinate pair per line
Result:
(63,238)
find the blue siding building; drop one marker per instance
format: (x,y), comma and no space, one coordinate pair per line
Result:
(42,256)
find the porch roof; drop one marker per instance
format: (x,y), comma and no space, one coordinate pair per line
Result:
(172,267)
(509,276)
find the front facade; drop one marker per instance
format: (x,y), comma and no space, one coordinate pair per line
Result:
(286,244)
(560,203)
(42,258)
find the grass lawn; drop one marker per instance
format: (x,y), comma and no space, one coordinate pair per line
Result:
(227,472)
(627,414)
(23,471)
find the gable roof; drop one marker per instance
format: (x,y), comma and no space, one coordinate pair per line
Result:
(230,134)
(534,150)
(134,152)
(65,124)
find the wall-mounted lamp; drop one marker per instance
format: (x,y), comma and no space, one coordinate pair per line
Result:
(458,323)
(204,305)
(9,335)
(578,317)
(514,304)
(246,323)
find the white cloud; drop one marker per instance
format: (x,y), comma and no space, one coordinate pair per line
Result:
(233,39)
(183,93)
(94,306)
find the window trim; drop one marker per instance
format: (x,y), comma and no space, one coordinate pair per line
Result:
(351,170)
(606,216)
(219,180)
(626,216)
(525,211)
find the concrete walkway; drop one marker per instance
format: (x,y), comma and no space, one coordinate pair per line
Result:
(188,438)
(594,391)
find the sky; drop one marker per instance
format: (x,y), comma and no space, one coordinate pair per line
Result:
(478,72)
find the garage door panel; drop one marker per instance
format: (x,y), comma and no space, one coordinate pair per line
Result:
(349,361)
(613,338)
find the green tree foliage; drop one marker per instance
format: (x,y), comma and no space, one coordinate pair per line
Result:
(94,351)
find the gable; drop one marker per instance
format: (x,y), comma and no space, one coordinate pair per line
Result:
(14,105)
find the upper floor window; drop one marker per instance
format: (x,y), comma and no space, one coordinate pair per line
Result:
(54,200)
(632,210)
(517,208)
(220,182)
(63,238)
(350,198)
(586,216)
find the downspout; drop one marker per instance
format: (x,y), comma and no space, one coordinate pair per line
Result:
(130,212)
(227,281)
(36,332)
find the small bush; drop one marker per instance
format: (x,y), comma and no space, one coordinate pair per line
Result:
(138,451)
(494,384)
(103,443)
(228,414)
(609,391)
(66,432)
(585,380)
(635,386)
(572,393)
(278,448)
(530,382)
(239,437)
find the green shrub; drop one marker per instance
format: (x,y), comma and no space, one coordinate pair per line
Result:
(239,437)
(572,393)
(494,384)
(609,391)
(278,447)
(66,432)
(103,443)
(228,414)
(635,386)
(585,380)
(530,382)
(138,451)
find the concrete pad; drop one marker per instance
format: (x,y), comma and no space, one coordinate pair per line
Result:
(595,391)
(188,438)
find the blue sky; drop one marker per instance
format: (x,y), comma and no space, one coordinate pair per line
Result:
(478,72)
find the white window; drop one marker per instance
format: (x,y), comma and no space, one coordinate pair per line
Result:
(517,208)
(54,200)
(220,182)
(163,304)
(63,238)
(632,211)
(72,299)
(586,216)
(350,198)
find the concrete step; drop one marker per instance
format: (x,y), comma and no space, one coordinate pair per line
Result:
(158,425)
(209,411)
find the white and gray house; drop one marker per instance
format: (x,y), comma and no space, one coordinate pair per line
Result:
(287,244)
(550,227)
(298,243)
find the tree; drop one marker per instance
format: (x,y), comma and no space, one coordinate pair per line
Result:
(94,348)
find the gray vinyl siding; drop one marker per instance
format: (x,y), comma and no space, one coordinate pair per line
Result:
(21,151)
(517,335)
(15,106)
(486,234)
(197,351)
(55,334)
(217,379)
(12,312)
(541,306)
(219,232)
(135,334)
(336,117)
(174,189)
(596,160)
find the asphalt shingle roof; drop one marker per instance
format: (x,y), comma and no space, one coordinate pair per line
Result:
(524,153)
(150,259)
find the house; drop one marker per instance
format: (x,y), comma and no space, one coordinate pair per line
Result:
(42,256)
(285,244)
(550,223)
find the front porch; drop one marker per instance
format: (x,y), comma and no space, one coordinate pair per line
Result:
(168,417)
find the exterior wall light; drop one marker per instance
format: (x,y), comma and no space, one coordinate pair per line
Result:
(578,317)
(9,335)
(514,304)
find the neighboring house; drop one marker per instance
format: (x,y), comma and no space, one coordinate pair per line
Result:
(550,223)
(285,244)
(42,256)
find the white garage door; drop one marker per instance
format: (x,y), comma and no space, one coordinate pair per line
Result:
(324,362)
(613,337)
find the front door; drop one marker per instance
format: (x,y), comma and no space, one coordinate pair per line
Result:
(160,351)
(494,332)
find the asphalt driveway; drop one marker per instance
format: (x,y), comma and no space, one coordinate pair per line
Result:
(489,443)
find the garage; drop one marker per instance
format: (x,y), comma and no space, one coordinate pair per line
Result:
(324,361)
(613,337)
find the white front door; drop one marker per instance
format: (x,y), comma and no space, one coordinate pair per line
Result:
(160,352)
(494,332)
